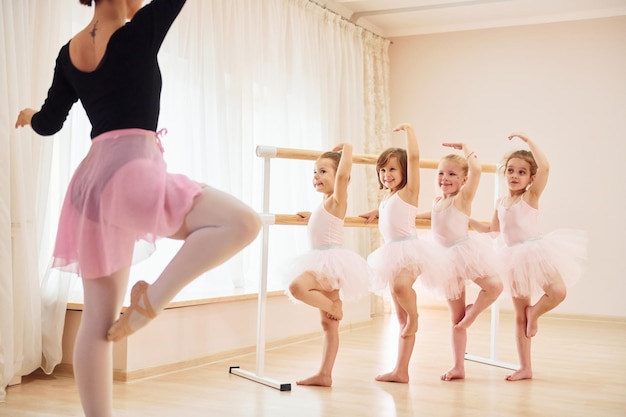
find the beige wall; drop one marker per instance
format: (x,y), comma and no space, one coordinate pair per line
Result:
(562,83)
(204,331)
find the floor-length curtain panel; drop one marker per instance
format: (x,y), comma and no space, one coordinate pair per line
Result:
(30,29)
(377,112)
(377,131)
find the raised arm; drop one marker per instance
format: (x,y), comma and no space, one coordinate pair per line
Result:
(543,167)
(342,178)
(468,191)
(410,192)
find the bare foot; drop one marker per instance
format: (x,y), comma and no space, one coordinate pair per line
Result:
(394,376)
(410,328)
(519,375)
(531,322)
(337,311)
(454,373)
(468,319)
(317,381)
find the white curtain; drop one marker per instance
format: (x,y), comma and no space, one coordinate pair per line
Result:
(237,74)
(27,62)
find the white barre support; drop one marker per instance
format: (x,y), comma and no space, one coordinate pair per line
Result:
(492,359)
(266,152)
(495,318)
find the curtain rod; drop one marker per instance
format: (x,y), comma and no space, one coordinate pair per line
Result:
(323,6)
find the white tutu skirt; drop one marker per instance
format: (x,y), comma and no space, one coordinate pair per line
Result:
(474,258)
(532,264)
(335,268)
(422,259)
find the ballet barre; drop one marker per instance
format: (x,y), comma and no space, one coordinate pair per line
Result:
(308,155)
(295,220)
(269,152)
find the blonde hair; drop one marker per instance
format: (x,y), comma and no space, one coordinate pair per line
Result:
(459,160)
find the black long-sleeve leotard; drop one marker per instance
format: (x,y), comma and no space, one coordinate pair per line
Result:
(124,90)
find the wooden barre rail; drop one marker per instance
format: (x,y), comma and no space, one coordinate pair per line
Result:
(295,220)
(309,155)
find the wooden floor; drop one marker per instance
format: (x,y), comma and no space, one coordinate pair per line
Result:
(579,366)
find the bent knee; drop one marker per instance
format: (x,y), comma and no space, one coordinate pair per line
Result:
(495,288)
(296,289)
(249,225)
(400,285)
(245,224)
(557,291)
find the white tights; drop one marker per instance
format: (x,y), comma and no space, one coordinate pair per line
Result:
(217,227)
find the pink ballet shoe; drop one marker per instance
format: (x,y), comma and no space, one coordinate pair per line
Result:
(120,329)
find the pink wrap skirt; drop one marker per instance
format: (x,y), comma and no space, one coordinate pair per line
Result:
(120,200)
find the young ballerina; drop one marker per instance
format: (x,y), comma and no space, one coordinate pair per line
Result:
(329,272)
(472,258)
(121,192)
(403,257)
(533,263)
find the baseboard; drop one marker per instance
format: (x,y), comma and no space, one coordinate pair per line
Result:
(66,369)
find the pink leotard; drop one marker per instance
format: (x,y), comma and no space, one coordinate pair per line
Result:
(404,253)
(324,229)
(532,260)
(449,225)
(519,222)
(333,266)
(396,219)
(471,257)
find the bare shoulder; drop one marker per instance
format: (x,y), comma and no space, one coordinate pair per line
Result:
(335,207)
(408,196)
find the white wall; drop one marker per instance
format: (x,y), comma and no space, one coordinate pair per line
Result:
(562,83)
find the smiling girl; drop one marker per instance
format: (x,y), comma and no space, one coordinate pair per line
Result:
(534,263)
(472,258)
(329,273)
(403,257)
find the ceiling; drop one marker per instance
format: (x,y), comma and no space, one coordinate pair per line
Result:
(395,18)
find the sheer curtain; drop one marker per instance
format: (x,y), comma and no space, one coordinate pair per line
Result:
(26,70)
(236,75)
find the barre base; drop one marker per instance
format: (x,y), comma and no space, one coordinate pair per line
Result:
(235,370)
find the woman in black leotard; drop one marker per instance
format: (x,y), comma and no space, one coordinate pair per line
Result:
(121,193)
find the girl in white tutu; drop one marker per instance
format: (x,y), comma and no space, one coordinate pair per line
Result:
(533,263)
(329,273)
(472,258)
(403,257)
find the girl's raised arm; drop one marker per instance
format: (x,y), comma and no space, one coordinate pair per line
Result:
(412,189)
(342,177)
(543,166)
(468,191)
